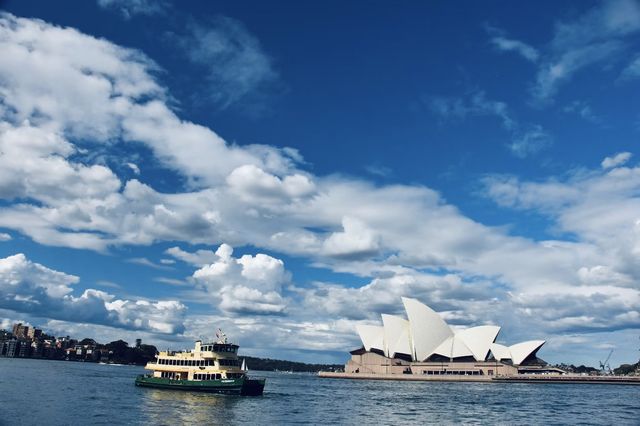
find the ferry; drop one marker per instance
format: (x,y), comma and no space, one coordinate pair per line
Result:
(209,367)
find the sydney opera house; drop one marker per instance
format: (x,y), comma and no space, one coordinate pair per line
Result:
(425,344)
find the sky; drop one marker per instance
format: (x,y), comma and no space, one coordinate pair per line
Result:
(287,170)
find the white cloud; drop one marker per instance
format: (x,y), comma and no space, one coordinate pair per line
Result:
(562,67)
(134,168)
(249,284)
(34,165)
(632,70)
(509,45)
(598,208)
(476,105)
(356,240)
(199,258)
(529,141)
(594,37)
(526,139)
(5,237)
(129,8)
(82,87)
(251,182)
(32,288)
(616,160)
(582,109)
(146,262)
(235,64)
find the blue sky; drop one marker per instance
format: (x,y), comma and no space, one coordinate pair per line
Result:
(286,171)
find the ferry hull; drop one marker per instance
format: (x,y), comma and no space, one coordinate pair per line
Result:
(242,386)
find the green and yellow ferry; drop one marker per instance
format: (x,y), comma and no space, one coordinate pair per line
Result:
(209,367)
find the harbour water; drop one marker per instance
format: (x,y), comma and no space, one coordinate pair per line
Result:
(35,392)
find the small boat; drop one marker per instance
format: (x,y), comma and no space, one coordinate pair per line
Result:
(209,367)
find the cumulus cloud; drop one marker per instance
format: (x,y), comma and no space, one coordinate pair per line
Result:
(355,240)
(251,183)
(598,208)
(109,92)
(5,237)
(249,284)
(29,287)
(588,309)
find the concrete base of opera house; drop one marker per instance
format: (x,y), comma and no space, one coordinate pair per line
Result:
(405,377)
(372,366)
(371,363)
(520,378)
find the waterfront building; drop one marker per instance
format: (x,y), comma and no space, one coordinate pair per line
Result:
(20,331)
(425,344)
(34,333)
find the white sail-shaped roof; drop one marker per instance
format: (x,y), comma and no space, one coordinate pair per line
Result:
(453,347)
(426,333)
(372,336)
(479,339)
(520,351)
(396,335)
(516,353)
(428,330)
(500,352)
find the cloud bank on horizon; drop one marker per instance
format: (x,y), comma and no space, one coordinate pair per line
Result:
(72,102)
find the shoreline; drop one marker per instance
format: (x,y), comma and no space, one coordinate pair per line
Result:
(608,380)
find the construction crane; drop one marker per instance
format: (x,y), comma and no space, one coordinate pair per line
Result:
(605,368)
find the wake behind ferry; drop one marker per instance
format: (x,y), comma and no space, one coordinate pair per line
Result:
(209,367)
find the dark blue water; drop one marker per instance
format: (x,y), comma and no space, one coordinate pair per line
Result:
(35,392)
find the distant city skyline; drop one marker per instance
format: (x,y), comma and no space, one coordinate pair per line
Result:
(287,171)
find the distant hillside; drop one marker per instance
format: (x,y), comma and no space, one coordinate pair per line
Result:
(626,369)
(268,364)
